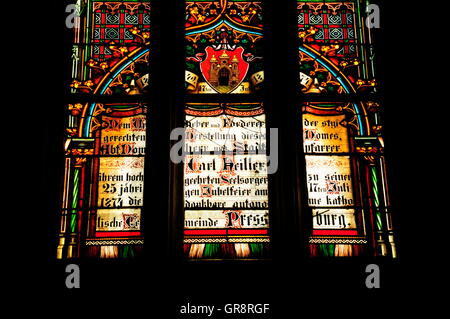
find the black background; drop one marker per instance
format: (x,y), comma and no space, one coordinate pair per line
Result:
(161,282)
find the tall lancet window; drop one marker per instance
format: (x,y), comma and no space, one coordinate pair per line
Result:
(105,137)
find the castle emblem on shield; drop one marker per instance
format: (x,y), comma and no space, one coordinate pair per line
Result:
(224,69)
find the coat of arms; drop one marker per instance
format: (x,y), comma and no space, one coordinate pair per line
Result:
(224,69)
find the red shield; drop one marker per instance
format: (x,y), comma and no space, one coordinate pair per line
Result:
(224,70)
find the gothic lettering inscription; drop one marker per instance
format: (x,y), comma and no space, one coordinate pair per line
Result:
(121,173)
(328,172)
(225,173)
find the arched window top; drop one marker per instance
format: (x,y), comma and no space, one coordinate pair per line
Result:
(110,54)
(335,50)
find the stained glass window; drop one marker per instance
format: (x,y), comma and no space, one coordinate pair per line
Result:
(223,206)
(223,48)
(110,47)
(342,141)
(105,142)
(335,54)
(226,181)
(225,171)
